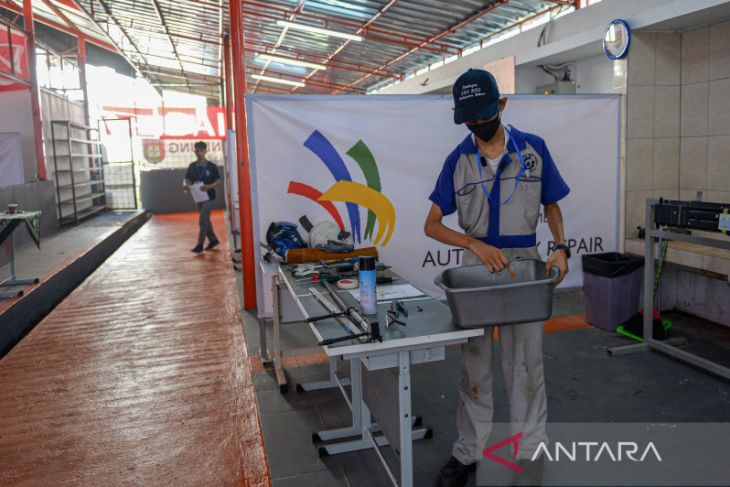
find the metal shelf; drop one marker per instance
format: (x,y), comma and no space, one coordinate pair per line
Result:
(80,184)
(84,141)
(83,214)
(79,199)
(91,165)
(88,169)
(77,126)
(80,156)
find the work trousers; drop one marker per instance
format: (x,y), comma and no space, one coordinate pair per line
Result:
(206,227)
(523,377)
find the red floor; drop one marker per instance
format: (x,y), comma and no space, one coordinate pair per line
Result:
(140,377)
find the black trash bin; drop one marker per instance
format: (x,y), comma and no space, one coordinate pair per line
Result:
(612,285)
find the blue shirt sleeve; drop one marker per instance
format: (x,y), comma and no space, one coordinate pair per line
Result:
(554,187)
(443,194)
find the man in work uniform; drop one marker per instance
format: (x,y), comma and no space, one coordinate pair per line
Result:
(498,222)
(205,172)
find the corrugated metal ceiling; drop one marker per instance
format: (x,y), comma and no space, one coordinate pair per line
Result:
(177,43)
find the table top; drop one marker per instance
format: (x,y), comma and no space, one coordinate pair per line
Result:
(430,327)
(25,215)
(10,221)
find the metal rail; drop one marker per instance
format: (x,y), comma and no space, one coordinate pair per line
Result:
(652,234)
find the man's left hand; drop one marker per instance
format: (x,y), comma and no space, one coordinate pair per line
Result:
(560,260)
(204,187)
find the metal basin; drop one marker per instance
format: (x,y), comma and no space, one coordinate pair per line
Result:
(480,298)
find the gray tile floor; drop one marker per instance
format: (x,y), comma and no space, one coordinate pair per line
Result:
(584,384)
(31,262)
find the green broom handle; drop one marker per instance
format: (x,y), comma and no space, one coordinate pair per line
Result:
(657,278)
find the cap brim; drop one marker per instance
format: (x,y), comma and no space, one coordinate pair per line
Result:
(464,114)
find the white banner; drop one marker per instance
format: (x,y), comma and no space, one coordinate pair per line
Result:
(304,147)
(11,160)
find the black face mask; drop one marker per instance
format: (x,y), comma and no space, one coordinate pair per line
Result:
(487,130)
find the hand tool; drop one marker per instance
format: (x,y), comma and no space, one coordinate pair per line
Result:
(372,327)
(347,316)
(330,341)
(396,309)
(335,312)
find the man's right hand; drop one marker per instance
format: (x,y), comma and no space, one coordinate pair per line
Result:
(493,258)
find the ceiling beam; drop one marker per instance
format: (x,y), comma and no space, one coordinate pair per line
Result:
(178,74)
(564,3)
(390,36)
(312,82)
(341,65)
(517,24)
(297,9)
(450,30)
(158,11)
(109,15)
(63,17)
(346,43)
(59,26)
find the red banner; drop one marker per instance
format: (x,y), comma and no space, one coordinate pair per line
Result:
(172,123)
(14,63)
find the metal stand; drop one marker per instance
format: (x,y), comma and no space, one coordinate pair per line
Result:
(12,281)
(280,376)
(281,379)
(649,341)
(363,433)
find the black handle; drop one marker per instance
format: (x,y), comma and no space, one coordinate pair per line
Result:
(306,224)
(330,341)
(312,319)
(375,332)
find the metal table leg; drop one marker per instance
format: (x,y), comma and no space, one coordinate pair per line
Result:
(365,431)
(330,383)
(278,368)
(405,449)
(263,347)
(354,402)
(12,281)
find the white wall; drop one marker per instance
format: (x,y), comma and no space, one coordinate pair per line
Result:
(594,75)
(678,132)
(16,116)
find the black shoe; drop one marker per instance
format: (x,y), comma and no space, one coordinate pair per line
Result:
(212,244)
(455,473)
(197,249)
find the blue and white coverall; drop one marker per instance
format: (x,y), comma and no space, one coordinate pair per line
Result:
(505,216)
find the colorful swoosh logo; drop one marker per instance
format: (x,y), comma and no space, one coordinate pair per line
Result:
(347,191)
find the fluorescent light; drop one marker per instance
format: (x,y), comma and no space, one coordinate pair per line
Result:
(277,80)
(318,30)
(288,60)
